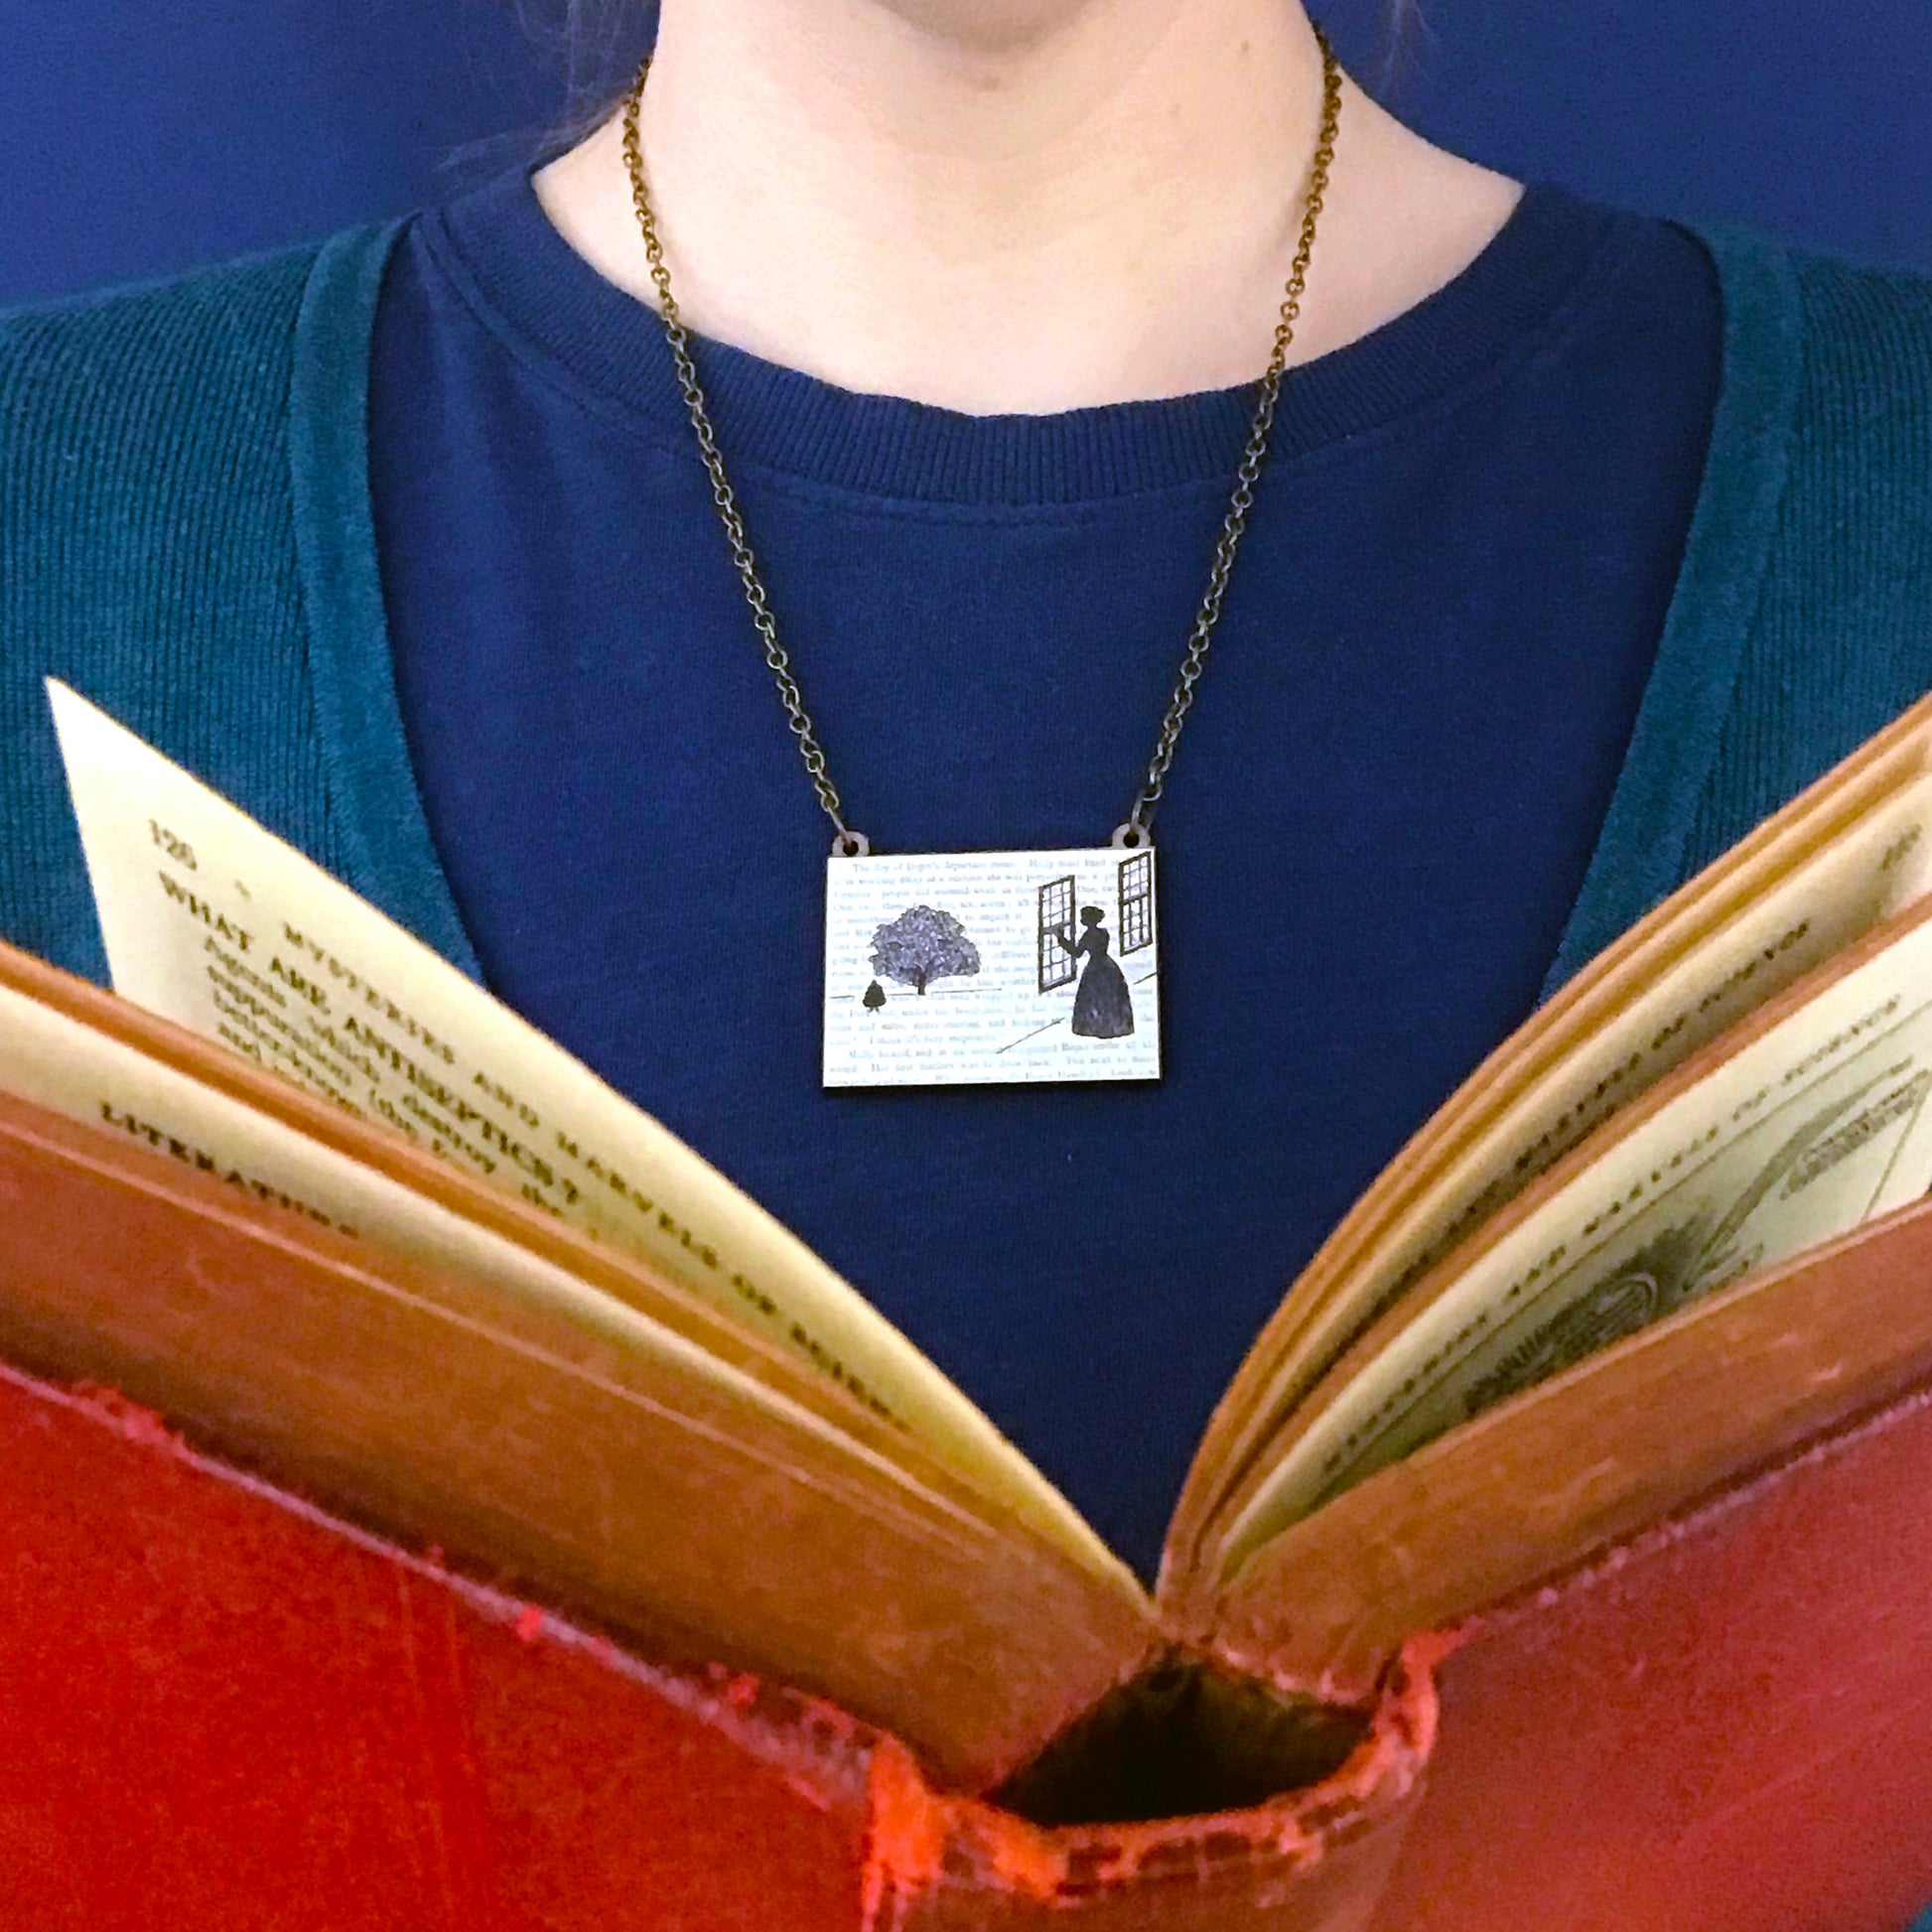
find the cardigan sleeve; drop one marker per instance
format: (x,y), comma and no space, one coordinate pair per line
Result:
(145,558)
(1802,620)
(1840,638)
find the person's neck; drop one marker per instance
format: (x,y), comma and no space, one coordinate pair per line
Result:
(1044,205)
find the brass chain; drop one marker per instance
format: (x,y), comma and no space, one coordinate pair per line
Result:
(1133,831)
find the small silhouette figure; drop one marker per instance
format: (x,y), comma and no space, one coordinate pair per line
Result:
(875,997)
(1102,1006)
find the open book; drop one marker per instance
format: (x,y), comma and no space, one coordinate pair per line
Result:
(402,1252)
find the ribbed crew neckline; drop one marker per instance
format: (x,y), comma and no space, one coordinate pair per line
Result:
(561,316)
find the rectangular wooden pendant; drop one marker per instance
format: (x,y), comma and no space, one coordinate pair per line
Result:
(961,968)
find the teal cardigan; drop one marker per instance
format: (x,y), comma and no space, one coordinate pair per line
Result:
(185,537)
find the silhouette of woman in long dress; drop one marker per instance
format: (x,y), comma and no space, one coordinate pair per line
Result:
(1102,1006)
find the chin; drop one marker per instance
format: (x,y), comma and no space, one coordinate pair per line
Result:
(988,26)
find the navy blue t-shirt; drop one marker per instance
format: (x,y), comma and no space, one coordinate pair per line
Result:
(1420,696)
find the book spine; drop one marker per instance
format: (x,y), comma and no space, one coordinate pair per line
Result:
(1312,1860)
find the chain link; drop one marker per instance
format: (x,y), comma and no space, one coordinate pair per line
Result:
(1134,829)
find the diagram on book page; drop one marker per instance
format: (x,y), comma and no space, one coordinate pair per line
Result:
(1721,957)
(949,968)
(1805,1133)
(212,921)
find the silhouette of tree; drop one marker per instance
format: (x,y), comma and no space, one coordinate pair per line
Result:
(921,945)
(875,996)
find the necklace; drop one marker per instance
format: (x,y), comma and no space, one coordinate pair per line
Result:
(1016,993)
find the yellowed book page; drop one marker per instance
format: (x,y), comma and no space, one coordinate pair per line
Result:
(214,922)
(1668,1007)
(495,1405)
(72,1069)
(1822,907)
(1808,1130)
(1662,1423)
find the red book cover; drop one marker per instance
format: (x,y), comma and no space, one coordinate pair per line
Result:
(223,1709)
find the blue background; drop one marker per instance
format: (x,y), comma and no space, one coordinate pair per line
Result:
(138,139)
